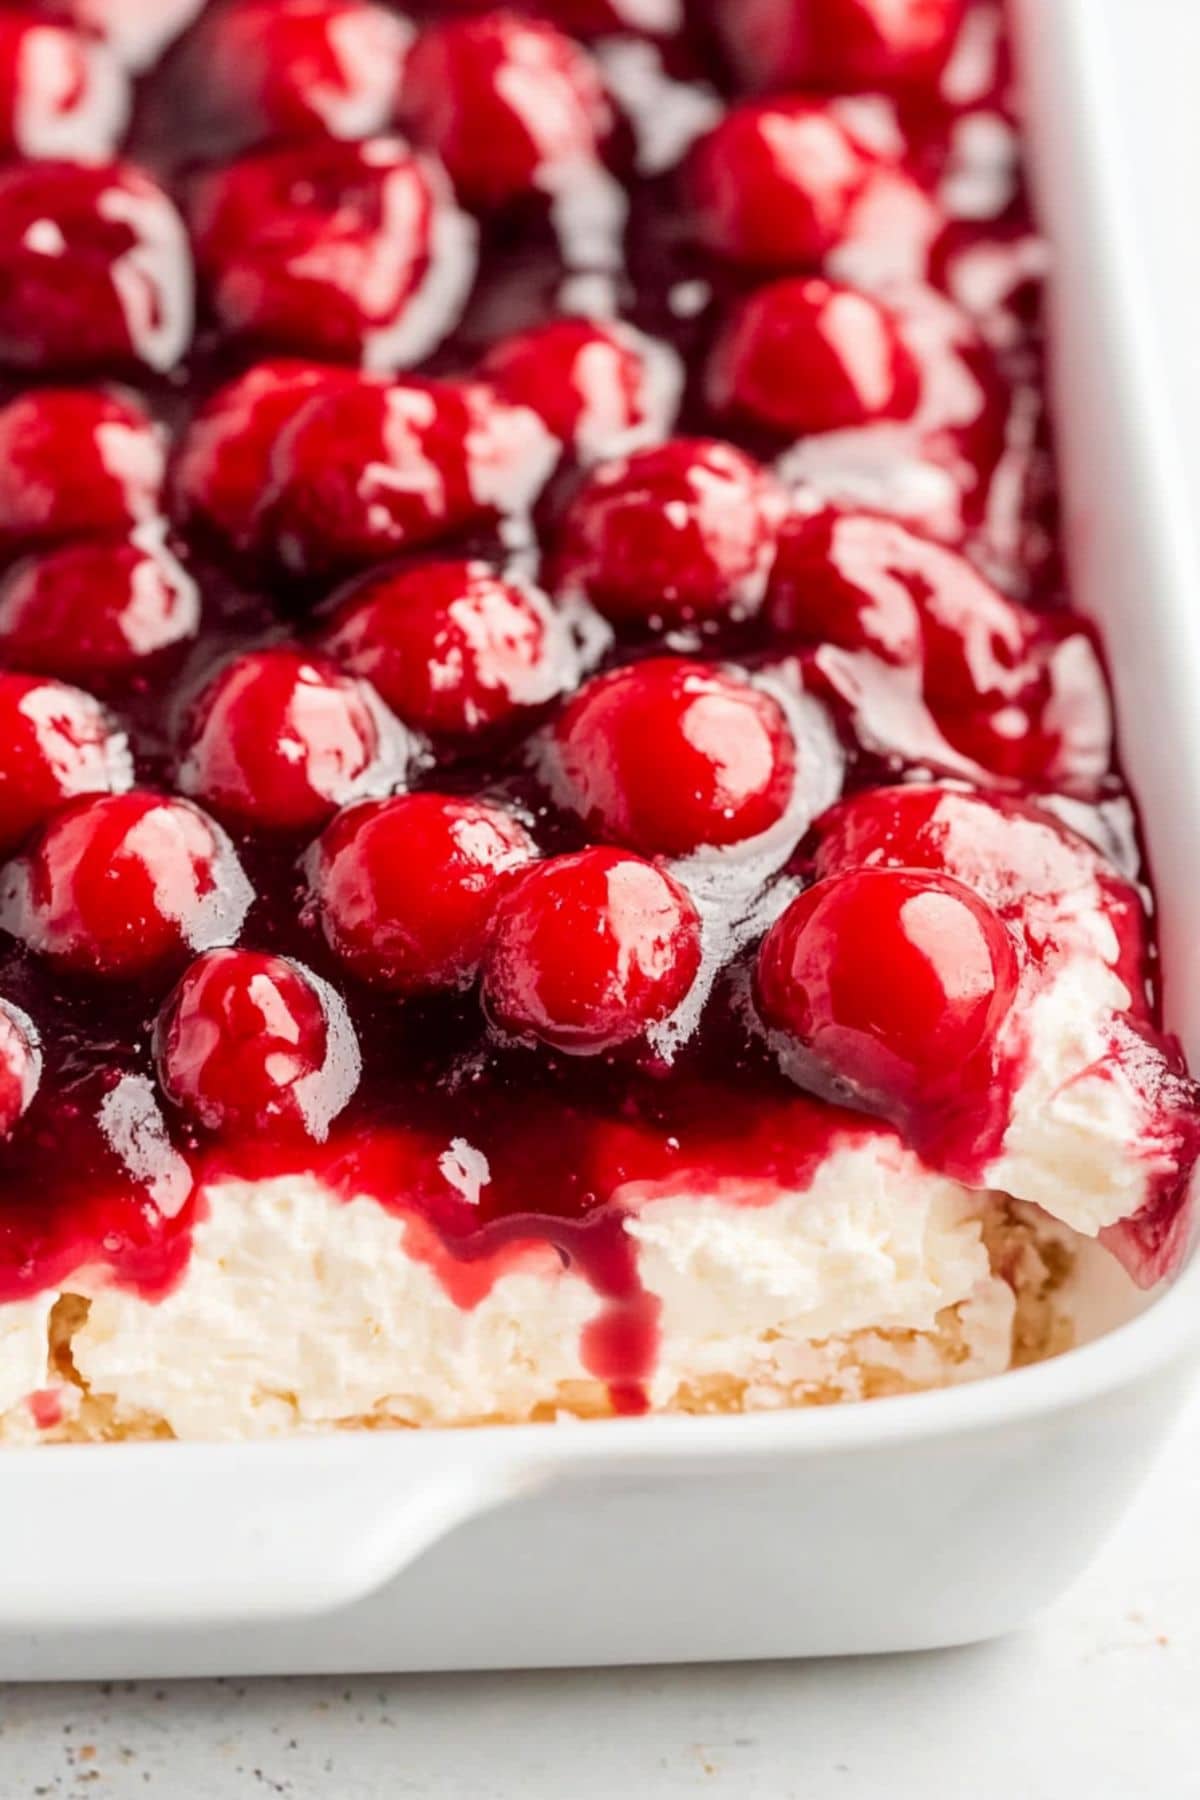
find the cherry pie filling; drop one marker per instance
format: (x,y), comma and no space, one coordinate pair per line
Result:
(532,637)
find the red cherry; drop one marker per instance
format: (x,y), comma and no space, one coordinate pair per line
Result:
(254,1043)
(978,644)
(369,470)
(351,251)
(1016,692)
(891,980)
(774,185)
(1051,722)
(221,469)
(120,884)
(805,355)
(137,31)
(590,951)
(61,94)
(601,388)
(670,756)
(97,608)
(292,69)
(509,104)
(1040,876)
(834,581)
(94,268)
(680,533)
(55,742)
(75,461)
(840,43)
(20,1066)
(280,741)
(452,647)
(1002,848)
(975,643)
(867,582)
(405,888)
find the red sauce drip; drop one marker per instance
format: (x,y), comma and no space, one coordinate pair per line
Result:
(45,1404)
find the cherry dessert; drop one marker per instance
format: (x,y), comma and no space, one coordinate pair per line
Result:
(534,659)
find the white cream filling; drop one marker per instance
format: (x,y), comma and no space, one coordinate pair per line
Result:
(876,1244)
(24,1352)
(299,1311)
(1080,1142)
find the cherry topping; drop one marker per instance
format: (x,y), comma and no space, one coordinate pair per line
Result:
(995,275)
(590,951)
(835,581)
(805,355)
(774,185)
(511,105)
(291,69)
(94,267)
(107,444)
(891,980)
(55,742)
(61,94)
(1018,692)
(1009,852)
(1050,721)
(405,888)
(868,582)
(96,609)
(349,250)
(20,1065)
(256,1043)
(602,388)
(120,884)
(367,470)
(681,533)
(670,756)
(840,43)
(453,647)
(280,741)
(220,471)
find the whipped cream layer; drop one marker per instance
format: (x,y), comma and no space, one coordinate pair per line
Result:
(299,1310)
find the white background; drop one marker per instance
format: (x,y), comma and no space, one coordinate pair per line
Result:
(1101,1701)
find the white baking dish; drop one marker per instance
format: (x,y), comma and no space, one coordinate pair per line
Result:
(903,1524)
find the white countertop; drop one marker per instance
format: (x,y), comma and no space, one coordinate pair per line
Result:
(1100,1699)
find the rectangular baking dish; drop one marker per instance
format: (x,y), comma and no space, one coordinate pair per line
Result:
(903,1524)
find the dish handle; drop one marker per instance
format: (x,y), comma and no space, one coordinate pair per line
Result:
(210,1534)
